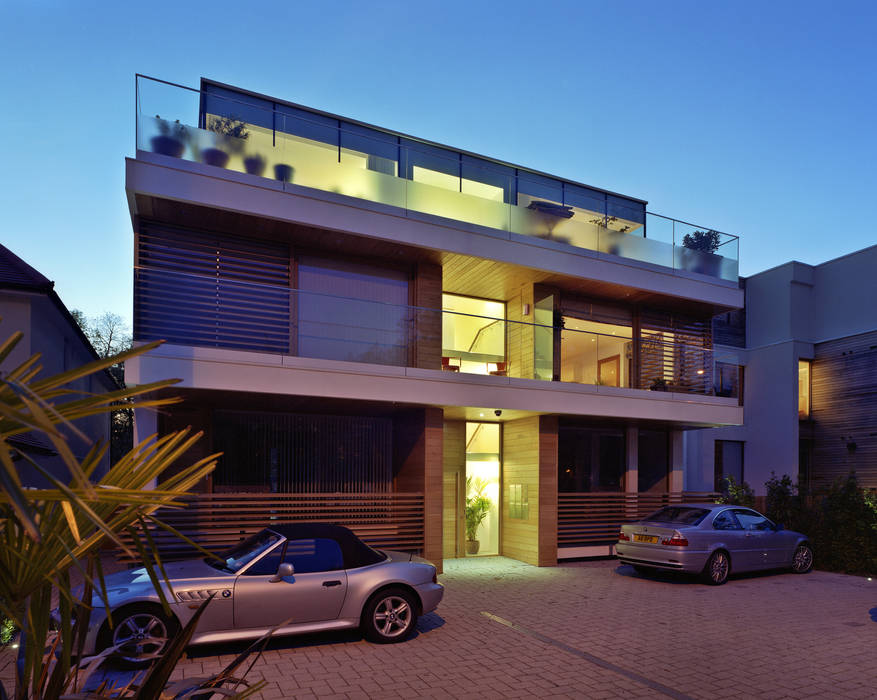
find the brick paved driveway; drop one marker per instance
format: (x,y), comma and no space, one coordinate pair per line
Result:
(596,630)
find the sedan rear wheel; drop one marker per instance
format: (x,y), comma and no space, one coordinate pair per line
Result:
(717,568)
(390,616)
(802,562)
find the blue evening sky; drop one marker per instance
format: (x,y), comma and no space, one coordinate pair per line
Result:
(755,118)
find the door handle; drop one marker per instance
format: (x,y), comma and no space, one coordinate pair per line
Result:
(329,584)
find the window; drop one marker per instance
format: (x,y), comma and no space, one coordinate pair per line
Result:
(590,459)
(727,379)
(473,335)
(726,521)
(678,515)
(595,353)
(306,556)
(804,374)
(729,462)
(654,460)
(750,520)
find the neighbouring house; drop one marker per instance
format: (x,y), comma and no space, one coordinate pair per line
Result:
(29,303)
(386,332)
(808,341)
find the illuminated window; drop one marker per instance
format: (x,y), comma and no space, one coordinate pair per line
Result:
(473,335)
(804,388)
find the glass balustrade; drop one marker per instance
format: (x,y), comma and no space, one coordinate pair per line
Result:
(212,311)
(297,147)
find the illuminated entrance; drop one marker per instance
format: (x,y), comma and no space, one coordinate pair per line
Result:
(482,489)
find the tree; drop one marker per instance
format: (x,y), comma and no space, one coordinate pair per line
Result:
(109,336)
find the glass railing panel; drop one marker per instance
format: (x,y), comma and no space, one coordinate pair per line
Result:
(206,310)
(269,143)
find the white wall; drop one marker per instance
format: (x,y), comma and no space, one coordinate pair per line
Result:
(788,309)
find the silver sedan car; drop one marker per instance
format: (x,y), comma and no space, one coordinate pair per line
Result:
(711,540)
(315,576)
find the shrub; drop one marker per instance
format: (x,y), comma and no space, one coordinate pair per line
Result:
(736,494)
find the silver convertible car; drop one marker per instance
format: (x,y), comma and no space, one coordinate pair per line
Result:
(316,576)
(711,540)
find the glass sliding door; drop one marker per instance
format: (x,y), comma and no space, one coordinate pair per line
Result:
(482,504)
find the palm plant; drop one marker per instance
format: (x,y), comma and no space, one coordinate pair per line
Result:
(46,533)
(477,507)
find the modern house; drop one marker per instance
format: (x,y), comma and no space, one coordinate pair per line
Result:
(30,304)
(808,341)
(376,329)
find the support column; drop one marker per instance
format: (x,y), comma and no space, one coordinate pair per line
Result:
(677,461)
(433,476)
(547,555)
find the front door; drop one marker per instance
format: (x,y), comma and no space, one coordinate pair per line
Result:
(314,593)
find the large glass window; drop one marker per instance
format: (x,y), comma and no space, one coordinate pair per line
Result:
(473,335)
(590,459)
(482,488)
(804,367)
(653,467)
(595,353)
(350,311)
(729,462)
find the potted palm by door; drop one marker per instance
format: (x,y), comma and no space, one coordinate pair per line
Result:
(477,507)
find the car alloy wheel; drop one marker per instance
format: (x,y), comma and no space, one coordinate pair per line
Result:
(390,616)
(802,562)
(141,635)
(717,568)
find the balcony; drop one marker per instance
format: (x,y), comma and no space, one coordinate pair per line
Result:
(233,131)
(204,311)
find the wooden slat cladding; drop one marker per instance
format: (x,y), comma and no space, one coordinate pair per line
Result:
(211,289)
(218,521)
(676,349)
(302,453)
(520,454)
(844,409)
(594,518)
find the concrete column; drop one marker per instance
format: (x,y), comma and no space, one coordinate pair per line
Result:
(677,461)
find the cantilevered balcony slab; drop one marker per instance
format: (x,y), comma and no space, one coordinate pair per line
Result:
(152,175)
(241,371)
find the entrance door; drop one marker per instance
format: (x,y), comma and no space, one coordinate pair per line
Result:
(482,492)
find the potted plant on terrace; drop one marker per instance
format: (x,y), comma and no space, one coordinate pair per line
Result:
(171,139)
(477,507)
(230,136)
(699,251)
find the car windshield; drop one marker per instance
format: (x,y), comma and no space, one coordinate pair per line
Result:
(234,559)
(678,515)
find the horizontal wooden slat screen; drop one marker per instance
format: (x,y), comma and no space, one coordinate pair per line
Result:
(592,518)
(218,521)
(676,349)
(302,453)
(844,410)
(211,289)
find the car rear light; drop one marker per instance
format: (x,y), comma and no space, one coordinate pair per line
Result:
(622,537)
(677,540)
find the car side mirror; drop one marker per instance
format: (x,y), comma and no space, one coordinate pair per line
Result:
(779,526)
(283,571)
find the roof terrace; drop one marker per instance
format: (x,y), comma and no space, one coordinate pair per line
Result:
(229,128)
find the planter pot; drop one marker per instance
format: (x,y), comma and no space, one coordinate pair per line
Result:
(472,546)
(283,172)
(167,146)
(215,156)
(254,165)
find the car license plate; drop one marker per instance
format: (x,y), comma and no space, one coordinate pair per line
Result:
(651,539)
